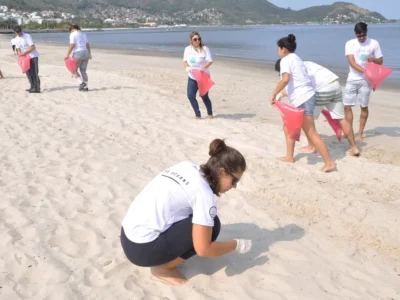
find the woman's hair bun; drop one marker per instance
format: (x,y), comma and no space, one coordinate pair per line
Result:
(291,38)
(217,146)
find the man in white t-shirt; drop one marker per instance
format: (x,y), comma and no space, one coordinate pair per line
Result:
(26,46)
(359,52)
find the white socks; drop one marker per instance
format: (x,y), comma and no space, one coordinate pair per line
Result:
(80,80)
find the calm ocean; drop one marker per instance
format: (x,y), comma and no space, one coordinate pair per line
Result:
(323,44)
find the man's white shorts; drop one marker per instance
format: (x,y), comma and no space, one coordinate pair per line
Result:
(361,88)
(330,97)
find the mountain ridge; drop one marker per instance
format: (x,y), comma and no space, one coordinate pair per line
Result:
(205,12)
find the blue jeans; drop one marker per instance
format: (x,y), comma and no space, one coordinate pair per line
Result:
(191,93)
(309,106)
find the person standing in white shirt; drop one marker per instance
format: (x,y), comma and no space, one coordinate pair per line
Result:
(328,95)
(301,94)
(197,56)
(175,216)
(26,46)
(80,49)
(359,52)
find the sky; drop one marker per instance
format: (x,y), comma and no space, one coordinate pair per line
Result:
(390,9)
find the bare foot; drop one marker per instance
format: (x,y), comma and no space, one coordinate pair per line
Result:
(210,117)
(197,118)
(330,167)
(170,276)
(354,152)
(286,159)
(307,149)
(359,138)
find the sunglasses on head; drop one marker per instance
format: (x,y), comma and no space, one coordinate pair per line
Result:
(196,39)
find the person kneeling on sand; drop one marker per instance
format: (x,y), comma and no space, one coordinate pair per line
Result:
(328,94)
(175,216)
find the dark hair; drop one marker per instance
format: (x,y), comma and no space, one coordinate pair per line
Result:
(222,156)
(288,42)
(194,33)
(278,65)
(17,28)
(361,27)
(74,26)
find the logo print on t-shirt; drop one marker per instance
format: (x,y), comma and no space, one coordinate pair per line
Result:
(193,60)
(213,212)
(363,57)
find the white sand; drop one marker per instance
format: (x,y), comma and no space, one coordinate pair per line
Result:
(72,162)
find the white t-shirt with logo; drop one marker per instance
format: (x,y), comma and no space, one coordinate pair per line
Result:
(173,195)
(361,51)
(319,75)
(79,39)
(24,42)
(300,87)
(197,59)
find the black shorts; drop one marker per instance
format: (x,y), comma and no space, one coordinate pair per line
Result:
(175,242)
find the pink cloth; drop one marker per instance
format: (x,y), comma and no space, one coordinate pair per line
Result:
(376,74)
(292,118)
(204,81)
(334,124)
(24,62)
(71,64)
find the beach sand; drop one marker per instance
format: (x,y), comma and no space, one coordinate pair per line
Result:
(72,162)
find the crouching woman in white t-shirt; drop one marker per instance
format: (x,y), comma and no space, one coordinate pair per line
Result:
(175,216)
(301,94)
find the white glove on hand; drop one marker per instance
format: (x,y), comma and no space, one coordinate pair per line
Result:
(243,246)
(188,69)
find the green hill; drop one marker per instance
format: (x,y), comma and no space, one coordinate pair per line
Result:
(205,11)
(338,11)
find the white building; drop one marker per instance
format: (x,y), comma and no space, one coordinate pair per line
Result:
(36,19)
(4,8)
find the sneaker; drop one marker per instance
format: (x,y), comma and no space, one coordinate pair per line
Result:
(34,91)
(85,89)
(28,90)
(82,86)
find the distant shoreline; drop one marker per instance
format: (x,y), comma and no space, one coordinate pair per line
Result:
(10,31)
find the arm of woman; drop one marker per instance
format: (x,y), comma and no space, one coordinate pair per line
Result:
(89,50)
(281,85)
(203,245)
(208,58)
(70,48)
(206,65)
